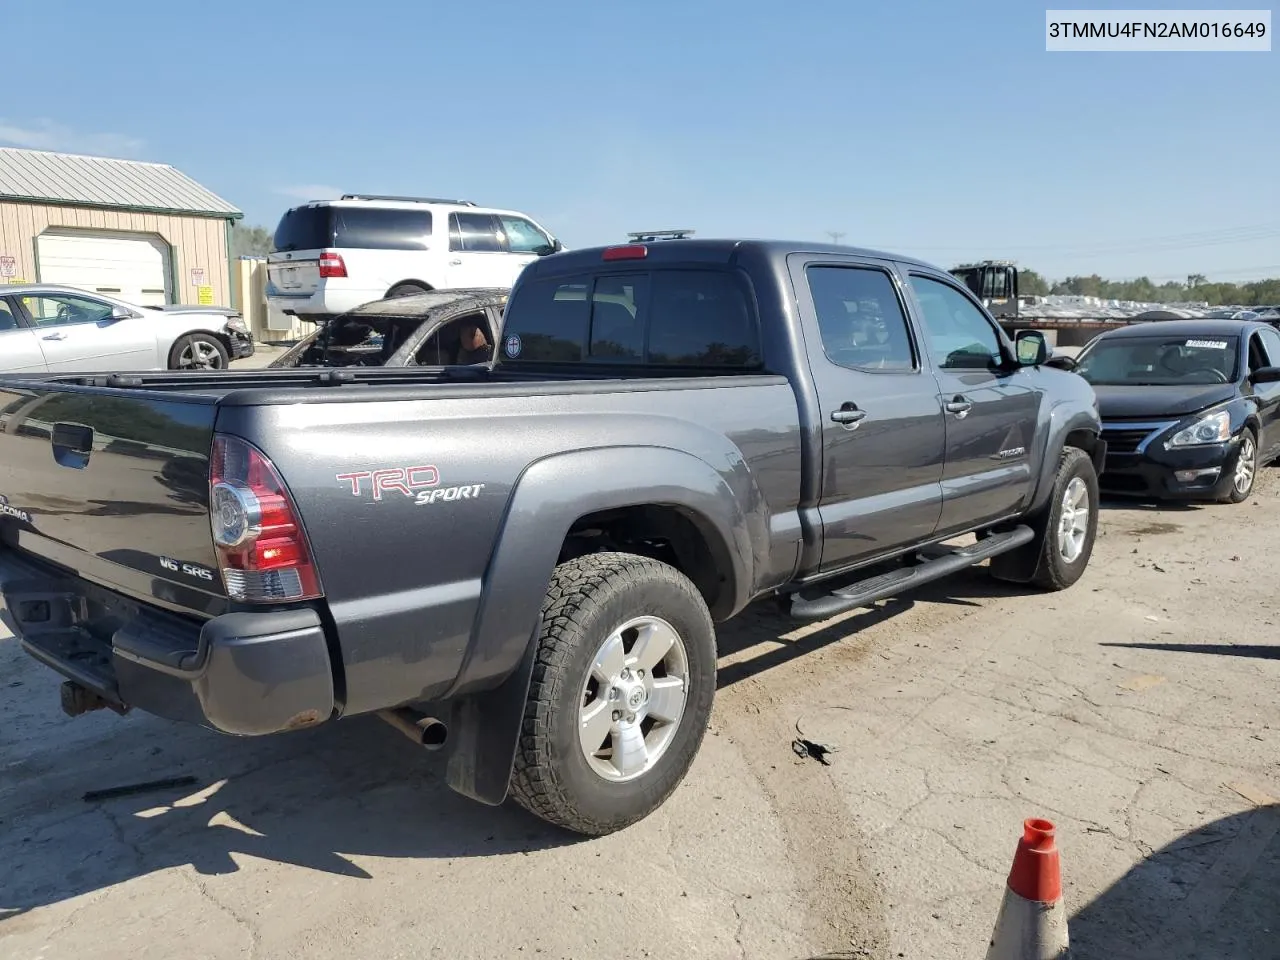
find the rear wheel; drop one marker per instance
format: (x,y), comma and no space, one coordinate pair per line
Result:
(1065,529)
(1246,468)
(406,290)
(621,693)
(199,351)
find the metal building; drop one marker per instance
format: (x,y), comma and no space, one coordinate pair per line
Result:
(143,232)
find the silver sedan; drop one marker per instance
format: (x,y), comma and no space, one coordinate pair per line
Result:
(47,328)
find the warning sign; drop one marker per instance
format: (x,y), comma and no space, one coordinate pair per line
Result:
(206,296)
(8,266)
(197,276)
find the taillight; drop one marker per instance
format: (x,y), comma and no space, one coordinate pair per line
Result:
(331,264)
(262,548)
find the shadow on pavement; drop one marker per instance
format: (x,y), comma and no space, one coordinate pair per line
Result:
(766,624)
(1212,893)
(322,799)
(1257,651)
(1117,502)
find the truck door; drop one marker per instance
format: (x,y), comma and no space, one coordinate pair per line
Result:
(990,411)
(881,426)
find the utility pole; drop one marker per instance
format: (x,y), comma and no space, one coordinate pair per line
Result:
(835,235)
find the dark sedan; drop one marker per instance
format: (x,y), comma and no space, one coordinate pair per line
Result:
(1190,408)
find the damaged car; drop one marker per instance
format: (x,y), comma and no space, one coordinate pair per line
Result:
(436,328)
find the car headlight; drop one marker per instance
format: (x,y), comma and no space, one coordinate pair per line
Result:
(1213,428)
(237,324)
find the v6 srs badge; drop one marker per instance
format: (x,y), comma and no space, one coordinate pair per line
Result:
(189,569)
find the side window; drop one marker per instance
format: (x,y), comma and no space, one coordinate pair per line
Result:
(7,320)
(960,336)
(617,320)
(375,228)
(1271,342)
(475,233)
(523,236)
(861,319)
(1257,356)
(550,323)
(701,318)
(49,311)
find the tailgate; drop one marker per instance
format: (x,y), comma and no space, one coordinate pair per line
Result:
(114,486)
(295,277)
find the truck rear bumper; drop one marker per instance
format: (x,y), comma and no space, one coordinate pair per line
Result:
(240,673)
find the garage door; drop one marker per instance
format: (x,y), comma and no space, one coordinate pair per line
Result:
(131,268)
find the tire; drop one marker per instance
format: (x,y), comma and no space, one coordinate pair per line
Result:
(588,602)
(406,290)
(1049,561)
(199,351)
(1244,471)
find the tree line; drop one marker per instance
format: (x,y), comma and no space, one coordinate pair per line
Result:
(1196,288)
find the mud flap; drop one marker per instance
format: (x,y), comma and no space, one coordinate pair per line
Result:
(485,730)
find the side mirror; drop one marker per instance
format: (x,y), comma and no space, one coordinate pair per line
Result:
(556,245)
(1032,348)
(1265,375)
(121,313)
(1061,362)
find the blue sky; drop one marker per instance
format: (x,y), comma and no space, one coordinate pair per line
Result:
(942,130)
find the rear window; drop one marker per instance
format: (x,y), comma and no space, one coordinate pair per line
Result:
(670,318)
(366,228)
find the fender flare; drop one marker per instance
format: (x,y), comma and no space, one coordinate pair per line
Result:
(548,498)
(1063,421)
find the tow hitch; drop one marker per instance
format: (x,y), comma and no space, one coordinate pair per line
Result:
(77,700)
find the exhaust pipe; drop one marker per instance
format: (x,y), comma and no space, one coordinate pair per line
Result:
(426,732)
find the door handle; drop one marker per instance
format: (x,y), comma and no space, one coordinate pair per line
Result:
(55,336)
(455,263)
(959,406)
(848,414)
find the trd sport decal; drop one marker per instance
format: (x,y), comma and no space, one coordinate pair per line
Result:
(405,480)
(422,484)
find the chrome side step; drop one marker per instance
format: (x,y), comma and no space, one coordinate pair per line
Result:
(939,563)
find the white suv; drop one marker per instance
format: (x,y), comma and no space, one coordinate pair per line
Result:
(334,255)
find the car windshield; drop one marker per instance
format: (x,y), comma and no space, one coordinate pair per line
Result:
(1164,361)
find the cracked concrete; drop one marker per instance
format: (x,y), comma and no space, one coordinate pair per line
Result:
(1136,710)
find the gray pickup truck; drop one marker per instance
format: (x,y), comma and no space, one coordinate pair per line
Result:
(522,562)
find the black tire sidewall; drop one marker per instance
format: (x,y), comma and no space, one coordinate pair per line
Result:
(1061,572)
(624,599)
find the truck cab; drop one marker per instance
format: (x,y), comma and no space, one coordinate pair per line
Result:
(994,282)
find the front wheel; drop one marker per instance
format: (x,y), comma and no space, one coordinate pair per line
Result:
(199,351)
(1065,529)
(621,693)
(1246,468)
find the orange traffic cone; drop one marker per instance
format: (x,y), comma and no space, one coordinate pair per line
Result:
(1032,924)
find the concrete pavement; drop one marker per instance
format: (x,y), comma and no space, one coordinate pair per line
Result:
(1136,710)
